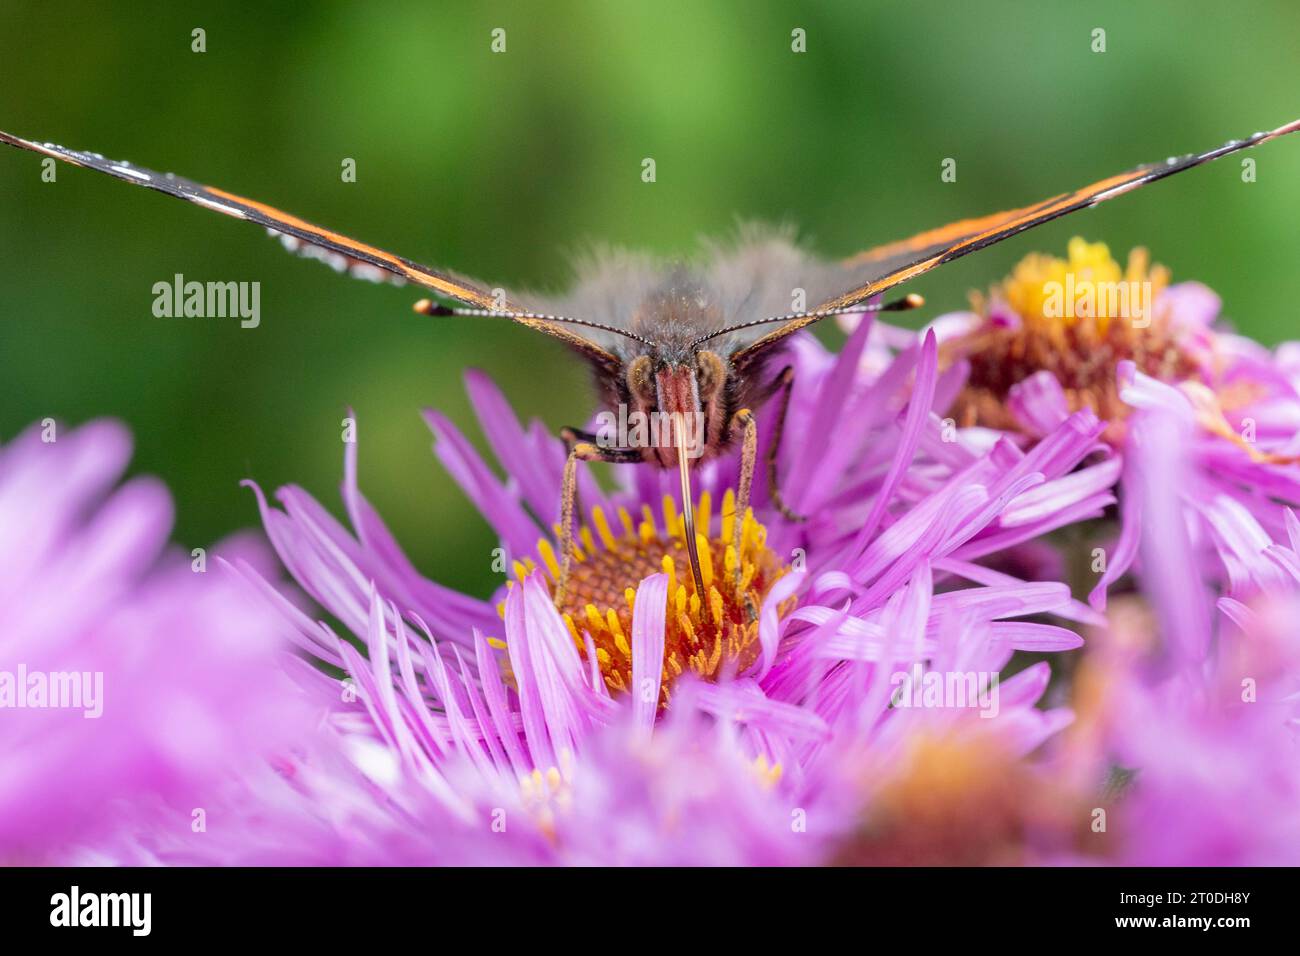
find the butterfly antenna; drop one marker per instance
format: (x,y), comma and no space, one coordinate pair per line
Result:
(429,307)
(907,302)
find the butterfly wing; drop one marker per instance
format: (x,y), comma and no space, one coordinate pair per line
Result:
(298,235)
(880,269)
(341,252)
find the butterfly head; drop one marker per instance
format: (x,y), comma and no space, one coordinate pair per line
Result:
(684,394)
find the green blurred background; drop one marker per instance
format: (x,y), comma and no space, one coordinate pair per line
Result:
(502,165)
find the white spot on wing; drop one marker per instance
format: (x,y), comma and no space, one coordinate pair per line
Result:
(335,260)
(219,206)
(364,270)
(1116,191)
(135,173)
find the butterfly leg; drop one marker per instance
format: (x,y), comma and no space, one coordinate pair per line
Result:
(744,419)
(582,447)
(785,385)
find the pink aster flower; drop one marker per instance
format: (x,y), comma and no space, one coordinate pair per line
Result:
(402,776)
(640,693)
(1059,336)
(1214,770)
(1197,704)
(129,681)
(1189,694)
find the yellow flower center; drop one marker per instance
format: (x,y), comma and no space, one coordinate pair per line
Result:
(1089,289)
(711,634)
(1079,317)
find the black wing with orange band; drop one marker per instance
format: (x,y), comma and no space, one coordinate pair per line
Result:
(880,269)
(342,252)
(298,235)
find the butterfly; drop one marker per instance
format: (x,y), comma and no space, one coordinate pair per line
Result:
(695,346)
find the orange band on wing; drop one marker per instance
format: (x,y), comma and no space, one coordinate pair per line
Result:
(411,270)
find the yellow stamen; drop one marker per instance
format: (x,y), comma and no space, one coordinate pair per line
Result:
(648,518)
(594,619)
(548,558)
(602,528)
(728,515)
(615,627)
(670,516)
(706,559)
(670,568)
(715,605)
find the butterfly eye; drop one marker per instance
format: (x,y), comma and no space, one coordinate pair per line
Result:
(711,372)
